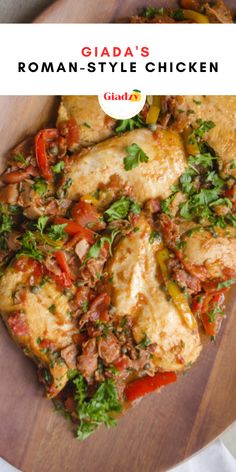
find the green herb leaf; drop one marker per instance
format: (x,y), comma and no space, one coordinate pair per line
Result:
(57,232)
(71,373)
(204,160)
(178,15)
(40,186)
(225,284)
(58,167)
(41,223)
(97,410)
(154,236)
(151,12)
(29,247)
(95,249)
(118,210)
(135,156)
(20,158)
(129,124)
(6,223)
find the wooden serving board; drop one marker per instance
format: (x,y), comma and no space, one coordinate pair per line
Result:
(164,428)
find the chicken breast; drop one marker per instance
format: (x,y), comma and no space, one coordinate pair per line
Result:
(135,291)
(39,322)
(216,254)
(222,111)
(166,162)
(94,125)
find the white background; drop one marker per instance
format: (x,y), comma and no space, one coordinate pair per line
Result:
(188,42)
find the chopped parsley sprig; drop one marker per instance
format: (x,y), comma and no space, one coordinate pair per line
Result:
(129,124)
(120,209)
(135,156)
(97,410)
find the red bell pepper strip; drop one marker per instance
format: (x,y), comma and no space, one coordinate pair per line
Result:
(42,138)
(140,387)
(62,262)
(204,305)
(73,228)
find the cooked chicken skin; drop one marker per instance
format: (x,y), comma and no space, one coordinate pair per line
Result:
(222,111)
(39,322)
(135,291)
(215,254)
(148,180)
(94,124)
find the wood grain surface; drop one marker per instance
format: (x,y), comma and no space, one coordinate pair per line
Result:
(164,428)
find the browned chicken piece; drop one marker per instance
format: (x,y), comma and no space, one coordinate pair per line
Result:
(135,291)
(216,255)
(165,163)
(219,109)
(38,319)
(94,125)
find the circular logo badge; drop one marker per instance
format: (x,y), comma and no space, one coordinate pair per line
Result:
(121,105)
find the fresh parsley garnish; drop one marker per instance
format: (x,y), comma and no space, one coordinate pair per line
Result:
(6,223)
(199,132)
(97,410)
(178,15)
(40,186)
(41,223)
(135,156)
(57,232)
(129,124)
(154,236)
(120,209)
(58,167)
(225,284)
(151,12)
(29,247)
(94,250)
(20,158)
(204,160)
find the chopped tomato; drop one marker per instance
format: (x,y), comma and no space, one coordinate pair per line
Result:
(140,387)
(17,324)
(73,228)
(43,138)
(122,363)
(24,263)
(62,262)
(86,214)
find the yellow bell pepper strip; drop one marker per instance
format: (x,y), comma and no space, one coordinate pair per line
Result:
(191,148)
(90,199)
(177,296)
(195,16)
(154,111)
